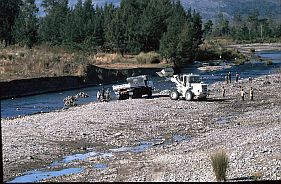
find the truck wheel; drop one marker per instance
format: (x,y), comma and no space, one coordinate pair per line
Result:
(174,95)
(149,93)
(188,96)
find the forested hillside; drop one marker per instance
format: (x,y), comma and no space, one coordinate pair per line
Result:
(209,9)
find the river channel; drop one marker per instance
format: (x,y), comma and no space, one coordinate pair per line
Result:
(54,101)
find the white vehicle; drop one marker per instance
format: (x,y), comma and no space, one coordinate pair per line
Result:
(135,88)
(188,86)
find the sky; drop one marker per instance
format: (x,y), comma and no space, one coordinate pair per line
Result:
(73,2)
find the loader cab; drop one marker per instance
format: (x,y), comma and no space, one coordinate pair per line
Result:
(189,79)
(193,79)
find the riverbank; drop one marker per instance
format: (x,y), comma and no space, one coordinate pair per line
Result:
(249,131)
(256,47)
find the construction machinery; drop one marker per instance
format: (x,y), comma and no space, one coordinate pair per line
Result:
(188,86)
(135,88)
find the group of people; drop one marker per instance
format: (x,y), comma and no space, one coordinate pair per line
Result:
(228,77)
(242,92)
(103,96)
(69,101)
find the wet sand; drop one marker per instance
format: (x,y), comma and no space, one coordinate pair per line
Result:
(249,131)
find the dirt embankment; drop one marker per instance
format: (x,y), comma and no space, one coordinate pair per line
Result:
(249,131)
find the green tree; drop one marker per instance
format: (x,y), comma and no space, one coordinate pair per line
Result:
(9,12)
(208,27)
(153,23)
(109,17)
(222,27)
(170,39)
(26,24)
(51,29)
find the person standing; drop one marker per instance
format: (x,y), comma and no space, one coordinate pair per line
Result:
(250,80)
(237,77)
(102,94)
(98,95)
(223,91)
(242,93)
(229,76)
(226,78)
(251,93)
(107,95)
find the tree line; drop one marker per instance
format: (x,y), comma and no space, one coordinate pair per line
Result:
(250,27)
(135,26)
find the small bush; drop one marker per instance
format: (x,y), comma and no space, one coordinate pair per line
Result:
(257,175)
(269,62)
(148,58)
(219,162)
(2,56)
(10,57)
(239,62)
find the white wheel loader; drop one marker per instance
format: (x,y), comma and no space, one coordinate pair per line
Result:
(188,86)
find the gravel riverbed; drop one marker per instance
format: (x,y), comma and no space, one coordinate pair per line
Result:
(180,136)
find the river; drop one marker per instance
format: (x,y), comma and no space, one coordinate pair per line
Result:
(54,101)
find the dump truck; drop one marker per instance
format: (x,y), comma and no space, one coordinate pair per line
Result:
(135,87)
(188,86)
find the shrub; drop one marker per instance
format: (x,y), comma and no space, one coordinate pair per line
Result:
(219,162)
(269,62)
(257,175)
(148,58)
(239,62)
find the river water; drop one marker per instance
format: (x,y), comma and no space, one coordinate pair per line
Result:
(54,101)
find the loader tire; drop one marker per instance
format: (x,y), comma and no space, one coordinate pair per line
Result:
(188,96)
(174,95)
(149,93)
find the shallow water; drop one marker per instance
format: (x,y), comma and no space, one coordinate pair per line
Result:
(35,176)
(54,101)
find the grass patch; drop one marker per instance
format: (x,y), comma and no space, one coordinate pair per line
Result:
(219,161)
(148,58)
(257,175)
(269,62)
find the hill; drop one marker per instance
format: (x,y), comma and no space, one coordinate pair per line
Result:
(209,9)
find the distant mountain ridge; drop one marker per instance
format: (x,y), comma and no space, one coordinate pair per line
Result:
(209,9)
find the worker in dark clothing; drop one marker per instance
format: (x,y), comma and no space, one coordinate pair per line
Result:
(223,91)
(107,95)
(250,79)
(102,94)
(242,93)
(237,77)
(229,76)
(226,78)
(251,93)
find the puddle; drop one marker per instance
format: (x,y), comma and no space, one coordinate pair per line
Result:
(35,176)
(179,138)
(134,149)
(75,157)
(221,120)
(100,166)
